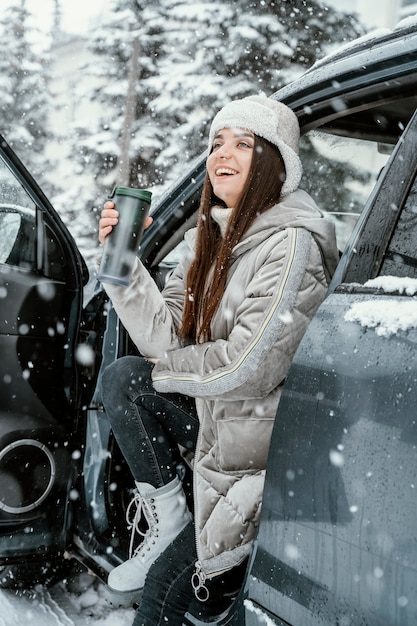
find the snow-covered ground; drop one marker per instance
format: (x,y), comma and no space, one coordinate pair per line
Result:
(82,604)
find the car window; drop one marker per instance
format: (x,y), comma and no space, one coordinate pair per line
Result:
(343,154)
(340,173)
(401,256)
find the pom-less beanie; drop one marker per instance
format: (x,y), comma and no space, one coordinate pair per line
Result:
(269,119)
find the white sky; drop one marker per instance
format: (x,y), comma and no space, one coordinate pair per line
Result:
(77,15)
(375,13)
(80,15)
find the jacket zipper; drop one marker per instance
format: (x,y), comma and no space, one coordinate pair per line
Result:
(198,581)
(198,578)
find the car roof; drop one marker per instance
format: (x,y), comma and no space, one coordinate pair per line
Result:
(367,68)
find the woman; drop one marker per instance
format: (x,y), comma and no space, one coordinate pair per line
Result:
(216,345)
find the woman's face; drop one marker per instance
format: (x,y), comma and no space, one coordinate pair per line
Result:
(228,164)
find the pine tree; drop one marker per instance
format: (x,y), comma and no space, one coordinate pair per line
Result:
(57,19)
(101,145)
(194,57)
(24,97)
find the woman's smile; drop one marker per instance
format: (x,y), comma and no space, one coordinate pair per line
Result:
(225,171)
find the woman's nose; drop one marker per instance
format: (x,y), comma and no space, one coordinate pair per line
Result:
(223,152)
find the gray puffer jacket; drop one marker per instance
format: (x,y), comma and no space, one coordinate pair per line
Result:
(278,277)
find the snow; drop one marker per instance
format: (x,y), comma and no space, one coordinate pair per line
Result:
(387,316)
(392,284)
(407,22)
(370,37)
(81,605)
(261,616)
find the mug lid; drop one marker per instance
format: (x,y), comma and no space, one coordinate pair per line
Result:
(142,194)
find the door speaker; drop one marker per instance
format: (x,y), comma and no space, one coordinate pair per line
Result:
(27,474)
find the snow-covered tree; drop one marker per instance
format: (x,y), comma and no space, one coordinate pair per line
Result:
(57,20)
(193,58)
(99,146)
(24,96)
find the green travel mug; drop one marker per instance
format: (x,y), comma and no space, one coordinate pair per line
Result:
(122,244)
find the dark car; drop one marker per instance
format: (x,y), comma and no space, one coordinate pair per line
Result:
(337,542)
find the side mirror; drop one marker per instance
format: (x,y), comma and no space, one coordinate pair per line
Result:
(17,236)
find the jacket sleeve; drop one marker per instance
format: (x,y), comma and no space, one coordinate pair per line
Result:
(270,319)
(151,317)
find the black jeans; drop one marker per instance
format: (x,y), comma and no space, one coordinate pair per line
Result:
(146,424)
(168,592)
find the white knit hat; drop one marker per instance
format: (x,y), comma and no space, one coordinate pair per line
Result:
(271,120)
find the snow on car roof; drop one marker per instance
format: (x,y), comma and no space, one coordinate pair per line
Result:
(373,36)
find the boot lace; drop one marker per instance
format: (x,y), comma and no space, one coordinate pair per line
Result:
(142,507)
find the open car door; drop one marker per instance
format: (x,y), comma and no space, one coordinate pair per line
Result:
(41,280)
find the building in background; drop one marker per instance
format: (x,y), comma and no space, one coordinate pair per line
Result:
(378,13)
(407,8)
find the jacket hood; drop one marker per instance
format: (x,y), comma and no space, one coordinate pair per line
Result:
(297,210)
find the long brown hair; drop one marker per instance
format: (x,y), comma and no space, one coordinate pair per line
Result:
(261,192)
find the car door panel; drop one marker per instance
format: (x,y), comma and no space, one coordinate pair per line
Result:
(40,312)
(33,336)
(339,494)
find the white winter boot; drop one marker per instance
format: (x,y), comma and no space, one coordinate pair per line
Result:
(166,512)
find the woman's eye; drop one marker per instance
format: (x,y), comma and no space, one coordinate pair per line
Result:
(244,144)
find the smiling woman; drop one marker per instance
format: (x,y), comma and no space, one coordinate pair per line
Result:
(257,267)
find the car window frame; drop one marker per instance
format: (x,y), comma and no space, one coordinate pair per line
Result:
(362,88)
(368,243)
